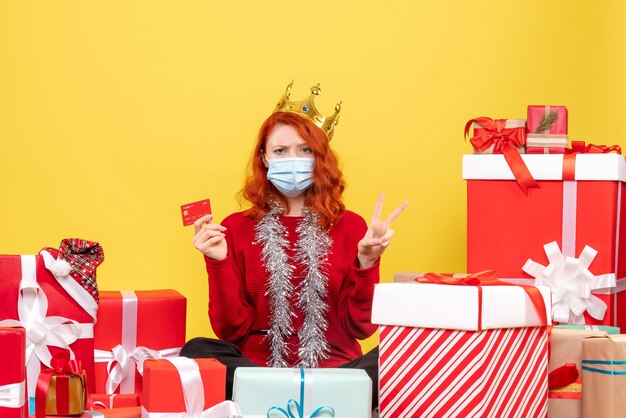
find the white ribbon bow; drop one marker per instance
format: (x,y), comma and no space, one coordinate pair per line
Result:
(571,284)
(193,393)
(12,395)
(41,330)
(122,364)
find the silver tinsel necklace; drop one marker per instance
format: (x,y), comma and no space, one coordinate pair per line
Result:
(312,249)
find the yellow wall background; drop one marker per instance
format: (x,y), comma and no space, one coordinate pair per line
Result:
(113,114)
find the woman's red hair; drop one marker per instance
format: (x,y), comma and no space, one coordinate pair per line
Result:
(324,195)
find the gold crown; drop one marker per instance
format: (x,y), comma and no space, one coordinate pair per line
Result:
(306,108)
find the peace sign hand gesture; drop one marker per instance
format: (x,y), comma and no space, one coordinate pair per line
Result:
(378,235)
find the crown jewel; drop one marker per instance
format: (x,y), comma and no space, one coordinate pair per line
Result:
(306,108)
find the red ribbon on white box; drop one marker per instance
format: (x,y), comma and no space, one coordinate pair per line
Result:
(124,358)
(13,395)
(42,331)
(193,393)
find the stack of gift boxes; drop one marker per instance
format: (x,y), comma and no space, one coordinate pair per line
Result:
(65,352)
(540,215)
(532,329)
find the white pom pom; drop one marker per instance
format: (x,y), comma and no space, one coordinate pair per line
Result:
(60,268)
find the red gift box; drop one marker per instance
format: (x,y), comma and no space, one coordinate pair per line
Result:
(134,326)
(61,390)
(129,412)
(579,204)
(462,350)
(163,386)
(12,373)
(98,401)
(56,306)
(554,118)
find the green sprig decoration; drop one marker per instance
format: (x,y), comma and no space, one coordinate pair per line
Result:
(546,122)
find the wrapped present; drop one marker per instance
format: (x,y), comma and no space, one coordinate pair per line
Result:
(604,328)
(98,401)
(126,335)
(128,412)
(566,348)
(303,393)
(503,136)
(463,347)
(61,390)
(547,130)
(604,376)
(571,228)
(566,401)
(547,120)
(486,133)
(53,295)
(13,402)
(180,385)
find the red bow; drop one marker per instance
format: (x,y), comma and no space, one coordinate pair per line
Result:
(487,278)
(562,376)
(579,147)
(62,366)
(505,141)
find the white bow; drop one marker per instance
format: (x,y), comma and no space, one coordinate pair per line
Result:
(122,364)
(571,284)
(12,395)
(41,330)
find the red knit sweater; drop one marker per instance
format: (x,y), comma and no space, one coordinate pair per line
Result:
(239,310)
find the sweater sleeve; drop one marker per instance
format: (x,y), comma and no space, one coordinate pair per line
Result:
(357,292)
(230,315)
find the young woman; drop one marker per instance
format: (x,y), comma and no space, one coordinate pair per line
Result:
(291,279)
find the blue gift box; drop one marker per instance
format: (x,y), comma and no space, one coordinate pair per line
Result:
(609,330)
(303,393)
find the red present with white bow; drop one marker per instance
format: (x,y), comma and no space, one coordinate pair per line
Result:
(181,387)
(41,294)
(578,205)
(462,350)
(98,401)
(134,326)
(13,402)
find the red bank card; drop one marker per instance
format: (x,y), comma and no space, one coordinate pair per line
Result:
(193,211)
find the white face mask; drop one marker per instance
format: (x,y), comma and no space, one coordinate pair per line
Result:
(291,176)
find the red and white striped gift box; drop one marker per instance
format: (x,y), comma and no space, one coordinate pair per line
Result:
(430,367)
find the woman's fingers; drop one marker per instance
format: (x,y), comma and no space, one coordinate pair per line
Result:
(378,209)
(394,215)
(197,225)
(205,235)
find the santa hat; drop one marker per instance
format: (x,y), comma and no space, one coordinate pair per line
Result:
(79,258)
